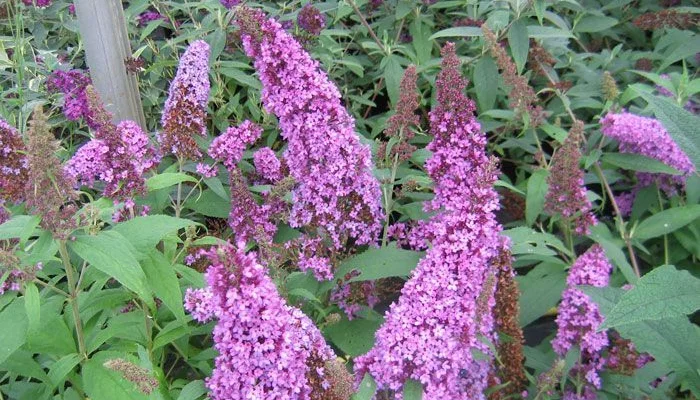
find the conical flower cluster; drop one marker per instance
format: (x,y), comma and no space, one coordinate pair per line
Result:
(579,318)
(185,111)
(444,315)
(336,193)
(267,349)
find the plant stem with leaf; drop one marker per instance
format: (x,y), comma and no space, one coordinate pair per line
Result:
(73,297)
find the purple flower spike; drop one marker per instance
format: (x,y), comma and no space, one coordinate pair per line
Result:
(445,310)
(336,191)
(646,136)
(267,349)
(185,112)
(579,318)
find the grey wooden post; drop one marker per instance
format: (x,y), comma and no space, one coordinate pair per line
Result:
(103,31)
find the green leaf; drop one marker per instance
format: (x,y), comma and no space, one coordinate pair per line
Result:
(209,204)
(244,78)
(22,362)
(217,43)
(377,263)
(168,179)
(102,383)
(639,163)
(528,241)
(354,337)
(170,333)
(33,307)
(421,42)
(537,188)
(14,331)
(20,226)
(547,32)
(618,258)
(366,390)
(665,292)
(540,290)
(680,52)
(594,23)
(163,280)
(486,83)
(53,336)
(666,221)
(193,390)
(683,126)
(519,43)
(392,76)
(412,390)
(111,253)
(672,342)
(146,232)
(461,31)
(61,368)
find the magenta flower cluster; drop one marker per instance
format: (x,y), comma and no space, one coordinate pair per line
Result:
(247,218)
(336,191)
(72,85)
(444,314)
(230,3)
(148,16)
(38,3)
(229,147)
(648,137)
(267,165)
(579,318)
(185,111)
(119,157)
(267,349)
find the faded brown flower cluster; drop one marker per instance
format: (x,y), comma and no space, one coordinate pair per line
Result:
(522,97)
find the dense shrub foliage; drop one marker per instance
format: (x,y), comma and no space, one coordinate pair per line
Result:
(461,199)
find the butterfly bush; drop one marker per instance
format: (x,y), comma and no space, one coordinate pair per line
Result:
(444,312)
(185,112)
(267,349)
(567,194)
(119,155)
(335,192)
(311,20)
(248,219)
(72,85)
(38,3)
(13,164)
(579,317)
(230,3)
(49,190)
(401,124)
(229,147)
(648,137)
(267,165)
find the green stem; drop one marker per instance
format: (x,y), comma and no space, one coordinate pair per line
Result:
(50,286)
(661,208)
(621,223)
(178,204)
(73,297)
(388,198)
